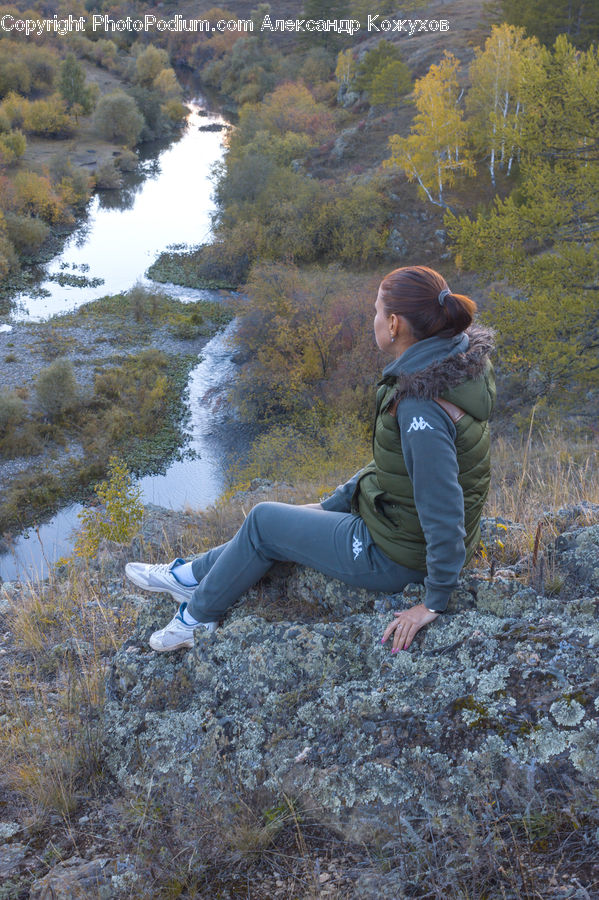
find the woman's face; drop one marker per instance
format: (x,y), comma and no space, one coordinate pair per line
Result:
(382,326)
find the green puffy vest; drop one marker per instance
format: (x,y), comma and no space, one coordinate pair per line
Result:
(384,497)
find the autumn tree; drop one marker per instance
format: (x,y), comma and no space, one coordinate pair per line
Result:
(14,74)
(494,100)
(296,329)
(12,146)
(34,195)
(47,117)
(290,107)
(167,85)
(28,70)
(26,233)
(436,150)
(346,67)
(150,63)
(248,71)
(544,238)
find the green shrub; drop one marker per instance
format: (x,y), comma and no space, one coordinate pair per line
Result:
(143,301)
(26,233)
(119,515)
(117,118)
(56,387)
(107,176)
(12,410)
(12,146)
(127,161)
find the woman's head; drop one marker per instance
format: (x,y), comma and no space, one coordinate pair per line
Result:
(412,292)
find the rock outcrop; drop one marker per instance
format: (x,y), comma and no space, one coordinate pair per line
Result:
(500,691)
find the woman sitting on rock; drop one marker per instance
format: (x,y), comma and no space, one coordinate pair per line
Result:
(411,515)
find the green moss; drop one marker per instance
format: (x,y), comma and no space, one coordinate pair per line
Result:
(481,717)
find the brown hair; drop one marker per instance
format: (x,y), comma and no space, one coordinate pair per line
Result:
(413,292)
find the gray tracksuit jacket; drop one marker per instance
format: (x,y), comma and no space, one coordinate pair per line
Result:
(431,520)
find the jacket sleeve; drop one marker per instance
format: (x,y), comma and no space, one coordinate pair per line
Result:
(340,499)
(428,444)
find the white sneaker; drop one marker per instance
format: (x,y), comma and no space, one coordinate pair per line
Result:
(177,633)
(159,577)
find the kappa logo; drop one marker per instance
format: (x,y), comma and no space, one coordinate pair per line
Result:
(419,425)
(357,547)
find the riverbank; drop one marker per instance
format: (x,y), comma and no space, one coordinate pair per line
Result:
(130,357)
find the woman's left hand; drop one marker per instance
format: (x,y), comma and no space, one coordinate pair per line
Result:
(407,624)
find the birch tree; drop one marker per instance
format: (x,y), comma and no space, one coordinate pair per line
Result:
(543,239)
(346,67)
(494,100)
(435,151)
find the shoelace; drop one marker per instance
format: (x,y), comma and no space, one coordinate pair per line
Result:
(159,569)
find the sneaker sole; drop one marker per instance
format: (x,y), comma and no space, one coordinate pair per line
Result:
(156,590)
(187,644)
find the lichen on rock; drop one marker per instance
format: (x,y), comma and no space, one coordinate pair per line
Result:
(315,707)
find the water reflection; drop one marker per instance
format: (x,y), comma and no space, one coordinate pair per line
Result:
(168,201)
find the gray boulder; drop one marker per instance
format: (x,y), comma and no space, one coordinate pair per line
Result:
(80,879)
(296,695)
(577,555)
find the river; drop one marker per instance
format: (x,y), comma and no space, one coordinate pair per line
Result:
(167,202)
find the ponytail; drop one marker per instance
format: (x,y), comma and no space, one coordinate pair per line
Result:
(422,296)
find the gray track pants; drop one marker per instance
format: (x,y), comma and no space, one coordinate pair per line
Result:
(336,543)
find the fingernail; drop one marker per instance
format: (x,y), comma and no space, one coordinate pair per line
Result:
(382,640)
(394,651)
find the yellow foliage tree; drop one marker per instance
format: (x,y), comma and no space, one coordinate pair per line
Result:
(436,148)
(35,196)
(12,146)
(294,343)
(346,67)
(13,110)
(290,107)
(117,518)
(47,117)
(167,85)
(150,63)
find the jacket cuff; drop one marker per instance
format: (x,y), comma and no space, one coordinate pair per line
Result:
(337,502)
(437,600)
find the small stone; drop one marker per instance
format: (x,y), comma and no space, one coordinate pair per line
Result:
(11,858)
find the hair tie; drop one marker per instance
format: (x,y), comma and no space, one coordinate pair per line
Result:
(442,295)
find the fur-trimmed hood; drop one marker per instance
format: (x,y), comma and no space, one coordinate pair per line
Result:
(446,364)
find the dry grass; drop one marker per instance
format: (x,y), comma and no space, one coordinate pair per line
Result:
(62,637)
(542,473)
